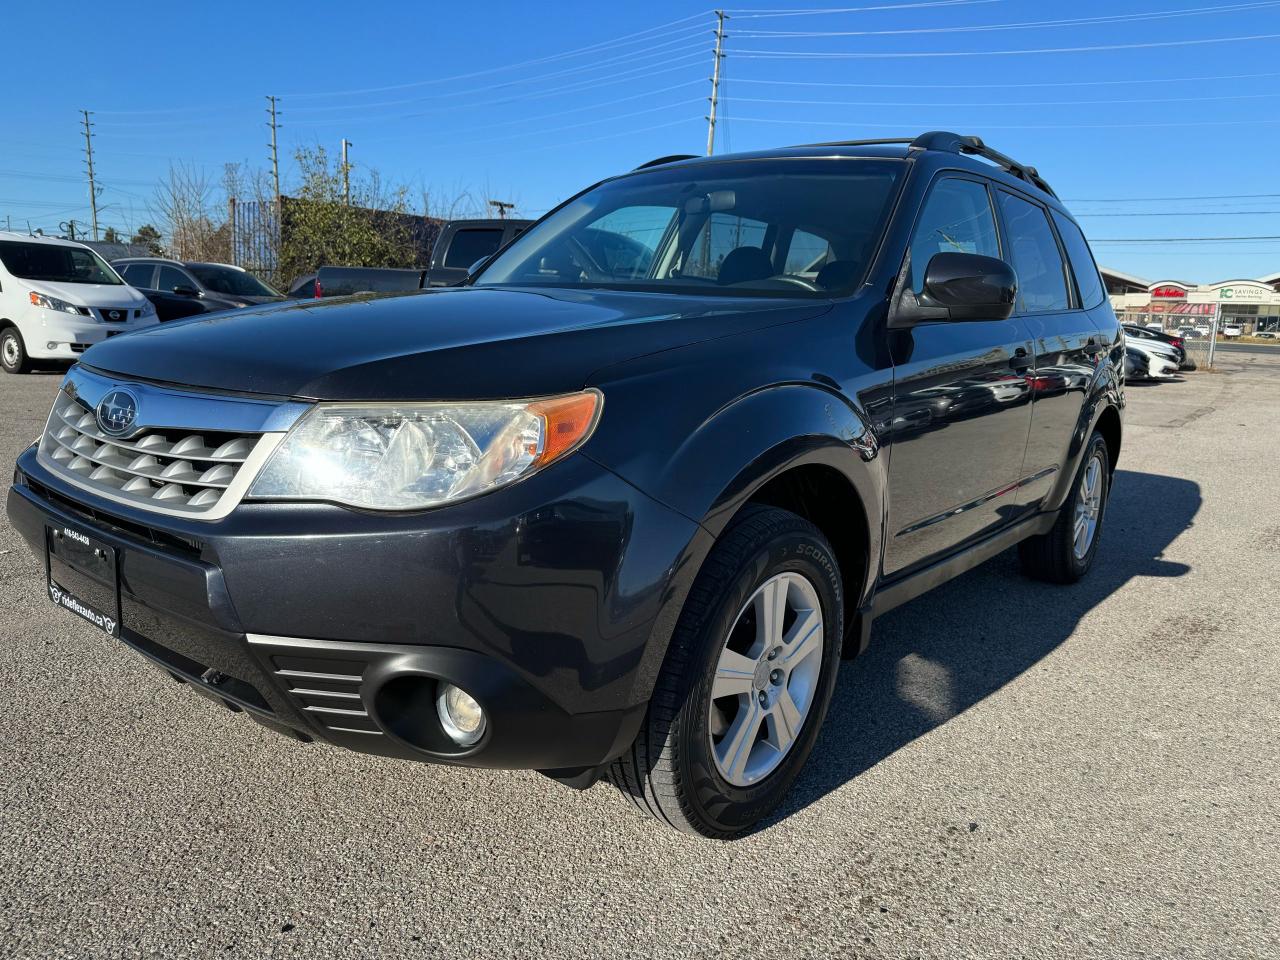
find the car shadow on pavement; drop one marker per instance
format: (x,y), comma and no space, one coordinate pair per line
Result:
(940,654)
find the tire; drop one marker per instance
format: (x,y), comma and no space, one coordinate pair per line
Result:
(1055,556)
(673,771)
(13,352)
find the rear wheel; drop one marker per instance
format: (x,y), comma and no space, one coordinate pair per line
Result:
(746,683)
(1066,552)
(13,352)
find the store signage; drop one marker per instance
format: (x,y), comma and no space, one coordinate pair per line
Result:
(1250,294)
(1168,293)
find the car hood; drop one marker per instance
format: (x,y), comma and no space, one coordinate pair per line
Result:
(444,344)
(89,294)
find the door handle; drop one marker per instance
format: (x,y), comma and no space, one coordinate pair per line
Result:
(1021,360)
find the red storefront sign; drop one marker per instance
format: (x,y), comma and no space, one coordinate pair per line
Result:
(1169,293)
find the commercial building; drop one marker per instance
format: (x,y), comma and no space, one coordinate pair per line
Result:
(1251,305)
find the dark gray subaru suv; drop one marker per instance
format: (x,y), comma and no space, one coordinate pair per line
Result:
(620,505)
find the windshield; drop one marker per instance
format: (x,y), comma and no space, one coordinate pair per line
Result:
(55,263)
(233,282)
(788,227)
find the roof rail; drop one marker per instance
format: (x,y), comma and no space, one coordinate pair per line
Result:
(956,143)
(875,142)
(671,159)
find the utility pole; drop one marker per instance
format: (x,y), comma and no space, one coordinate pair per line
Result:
(502,207)
(715,82)
(275,153)
(346,173)
(88,155)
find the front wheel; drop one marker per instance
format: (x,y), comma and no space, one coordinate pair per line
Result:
(13,352)
(746,682)
(1066,552)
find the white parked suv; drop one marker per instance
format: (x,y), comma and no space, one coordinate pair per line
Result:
(57,298)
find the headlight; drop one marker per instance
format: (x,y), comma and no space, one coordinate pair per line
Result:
(414,455)
(52,303)
(148,309)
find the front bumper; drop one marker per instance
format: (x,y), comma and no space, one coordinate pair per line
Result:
(551,602)
(71,335)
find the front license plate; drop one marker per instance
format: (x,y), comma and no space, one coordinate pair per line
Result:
(81,576)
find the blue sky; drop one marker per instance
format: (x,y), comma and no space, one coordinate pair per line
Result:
(1172,133)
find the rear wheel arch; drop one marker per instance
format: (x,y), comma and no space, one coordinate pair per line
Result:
(1109,426)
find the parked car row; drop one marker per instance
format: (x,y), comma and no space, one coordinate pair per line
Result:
(58,297)
(1153,355)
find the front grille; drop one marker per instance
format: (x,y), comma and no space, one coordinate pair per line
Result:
(172,469)
(114,314)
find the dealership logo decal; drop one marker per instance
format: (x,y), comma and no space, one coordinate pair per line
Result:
(64,599)
(117,412)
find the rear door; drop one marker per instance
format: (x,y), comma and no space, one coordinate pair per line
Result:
(961,399)
(1068,344)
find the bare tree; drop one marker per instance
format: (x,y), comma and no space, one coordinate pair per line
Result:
(191,216)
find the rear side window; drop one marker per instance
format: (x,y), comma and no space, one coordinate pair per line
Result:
(468,246)
(1092,292)
(1033,251)
(957,218)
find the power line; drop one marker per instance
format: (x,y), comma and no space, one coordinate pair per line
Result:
(570,126)
(1187,213)
(524,119)
(1003,86)
(1209,196)
(1020,24)
(636,37)
(1007,103)
(806,55)
(680,62)
(762,14)
(1183,239)
(1023,126)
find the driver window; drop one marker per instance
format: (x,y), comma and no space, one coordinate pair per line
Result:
(623,242)
(170,279)
(957,218)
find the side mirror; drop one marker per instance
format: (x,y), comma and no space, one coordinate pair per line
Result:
(186,291)
(960,287)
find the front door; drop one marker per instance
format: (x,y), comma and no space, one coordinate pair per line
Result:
(962,406)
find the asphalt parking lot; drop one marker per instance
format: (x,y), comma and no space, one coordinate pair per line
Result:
(1013,770)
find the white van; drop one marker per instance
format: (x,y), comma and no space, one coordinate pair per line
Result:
(58,298)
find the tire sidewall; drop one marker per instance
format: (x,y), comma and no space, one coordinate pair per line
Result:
(1097,448)
(716,801)
(11,333)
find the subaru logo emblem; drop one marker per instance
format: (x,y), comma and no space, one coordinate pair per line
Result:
(117,412)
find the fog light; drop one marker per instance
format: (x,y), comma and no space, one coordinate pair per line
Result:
(460,715)
(51,345)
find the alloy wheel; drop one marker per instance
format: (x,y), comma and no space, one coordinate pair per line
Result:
(766,679)
(1088,508)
